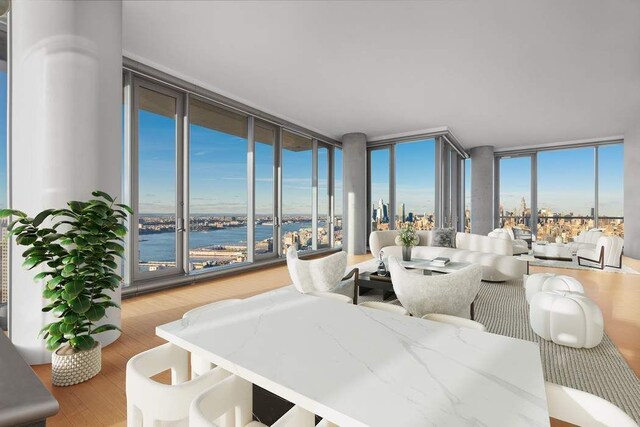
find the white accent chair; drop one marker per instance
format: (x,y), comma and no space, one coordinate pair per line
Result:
(519,246)
(384,306)
(607,253)
(584,409)
(332,296)
(587,239)
(455,321)
(542,282)
(566,318)
(230,403)
(322,274)
(150,402)
(451,294)
(199,365)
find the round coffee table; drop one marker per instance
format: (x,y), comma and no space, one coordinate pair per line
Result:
(557,251)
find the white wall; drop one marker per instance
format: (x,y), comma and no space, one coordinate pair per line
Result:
(632,192)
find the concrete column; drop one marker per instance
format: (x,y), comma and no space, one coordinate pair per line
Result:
(66,129)
(632,192)
(482,190)
(354,152)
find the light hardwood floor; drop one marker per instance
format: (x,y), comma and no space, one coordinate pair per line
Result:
(101,401)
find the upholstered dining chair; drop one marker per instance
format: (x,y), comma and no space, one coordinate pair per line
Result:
(152,403)
(325,274)
(607,253)
(229,404)
(455,321)
(199,365)
(451,293)
(584,409)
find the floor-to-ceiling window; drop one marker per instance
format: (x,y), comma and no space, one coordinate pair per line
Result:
(297,191)
(563,191)
(337,197)
(217,186)
(415,183)
(323,228)
(213,186)
(159,196)
(266,136)
(611,189)
(515,192)
(566,193)
(379,188)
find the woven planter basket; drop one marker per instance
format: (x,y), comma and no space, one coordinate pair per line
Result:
(75,367)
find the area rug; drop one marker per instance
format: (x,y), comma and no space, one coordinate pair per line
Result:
(573,265)
(601,370)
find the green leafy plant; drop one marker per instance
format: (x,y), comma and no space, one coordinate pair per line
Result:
(407,236)
(78,246)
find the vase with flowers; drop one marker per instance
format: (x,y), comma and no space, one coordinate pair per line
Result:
(408,238)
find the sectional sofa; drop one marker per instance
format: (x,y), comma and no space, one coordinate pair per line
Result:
(494,255)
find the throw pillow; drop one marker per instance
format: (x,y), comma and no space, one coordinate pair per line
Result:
(444,237)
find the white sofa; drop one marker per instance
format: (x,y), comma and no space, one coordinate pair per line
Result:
(519,246)
(494,255)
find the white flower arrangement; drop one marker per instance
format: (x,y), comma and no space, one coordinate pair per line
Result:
(407,236)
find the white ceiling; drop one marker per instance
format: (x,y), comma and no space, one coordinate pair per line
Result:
(504,73)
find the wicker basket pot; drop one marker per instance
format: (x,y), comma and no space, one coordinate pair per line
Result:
(69,367)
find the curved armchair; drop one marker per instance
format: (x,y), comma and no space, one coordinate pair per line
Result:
(519,246)
(583,409)
(322,274)
(451,294)
(607,253)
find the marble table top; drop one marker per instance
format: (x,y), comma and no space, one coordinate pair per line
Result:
(358,366)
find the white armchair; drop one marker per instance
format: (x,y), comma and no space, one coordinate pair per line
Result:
(585,240)
(607,253)
(322,274)
(519,246)
(451,294)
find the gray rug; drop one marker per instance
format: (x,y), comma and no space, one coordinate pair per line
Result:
(601,370)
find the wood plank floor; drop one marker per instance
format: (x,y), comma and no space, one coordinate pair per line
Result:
(101,401)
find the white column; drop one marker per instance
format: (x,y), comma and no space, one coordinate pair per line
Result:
(632,192)
(354,225)
(66,129)
(482,190)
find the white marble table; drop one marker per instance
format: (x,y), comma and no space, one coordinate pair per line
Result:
(357,366)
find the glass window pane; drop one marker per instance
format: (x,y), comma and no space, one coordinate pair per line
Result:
(296,191)
(323,231)
(337,197)
(566,193)
(265,137)
(379,184)
(217,186)
(611,189)
(157,168)
(515,193)
(415,184)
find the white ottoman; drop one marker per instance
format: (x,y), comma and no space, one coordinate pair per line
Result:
(566,318)
(541,282)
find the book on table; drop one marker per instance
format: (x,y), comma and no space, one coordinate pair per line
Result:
(441,261)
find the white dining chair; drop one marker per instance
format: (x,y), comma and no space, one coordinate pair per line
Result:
(150,402)
(332,295)
(460,322)
(199,365)
(384,306)
(584,409)
(229,404)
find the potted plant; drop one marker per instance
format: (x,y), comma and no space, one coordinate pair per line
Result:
(78,247)
(408,238)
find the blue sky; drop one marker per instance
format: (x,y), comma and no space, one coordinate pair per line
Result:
(566,181)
